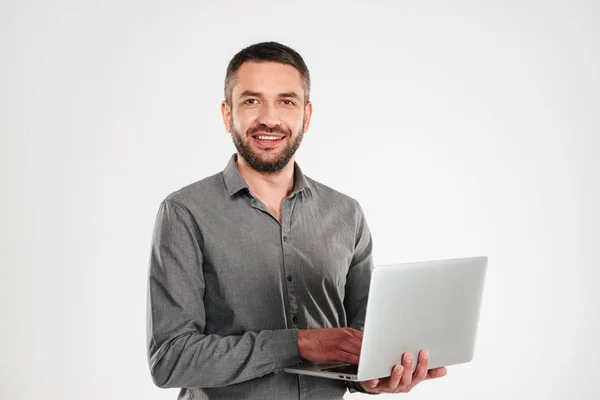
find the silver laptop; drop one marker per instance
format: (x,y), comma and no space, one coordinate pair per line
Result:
(432,305)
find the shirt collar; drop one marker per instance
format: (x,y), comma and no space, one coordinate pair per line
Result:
(235,183)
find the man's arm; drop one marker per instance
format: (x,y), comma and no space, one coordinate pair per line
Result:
(179,353)
(358,277)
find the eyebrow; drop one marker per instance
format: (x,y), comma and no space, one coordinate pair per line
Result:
(250,93)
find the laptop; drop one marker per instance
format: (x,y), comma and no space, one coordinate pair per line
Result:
(431,305)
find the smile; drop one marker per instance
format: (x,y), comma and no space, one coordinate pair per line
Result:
(269,138)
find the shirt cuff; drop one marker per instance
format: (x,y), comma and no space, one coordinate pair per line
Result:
(284,348)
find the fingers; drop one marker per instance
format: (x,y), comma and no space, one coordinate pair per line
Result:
(372,383)
(407,360)
(394,379)
(350,344)
(422,366)
(344,356)
(436,373)
(356,333)
(352,341)
(403,379)
(330,344)
(351,357)
(422,372)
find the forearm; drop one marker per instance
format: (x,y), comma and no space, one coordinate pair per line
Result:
(196,360)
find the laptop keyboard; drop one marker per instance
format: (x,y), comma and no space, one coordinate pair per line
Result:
(345,369)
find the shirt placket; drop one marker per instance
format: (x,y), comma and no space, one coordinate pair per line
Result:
(288,262)
(287,243)
(293,317)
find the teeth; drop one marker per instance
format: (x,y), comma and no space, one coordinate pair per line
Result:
(268,137)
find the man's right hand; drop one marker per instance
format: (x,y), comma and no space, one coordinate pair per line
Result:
(330,344)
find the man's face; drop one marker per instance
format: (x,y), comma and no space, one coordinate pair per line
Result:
(267,116)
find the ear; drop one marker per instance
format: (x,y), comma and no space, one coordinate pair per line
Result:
(226,113)
(307,115)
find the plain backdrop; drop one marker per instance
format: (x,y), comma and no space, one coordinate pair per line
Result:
(463,128)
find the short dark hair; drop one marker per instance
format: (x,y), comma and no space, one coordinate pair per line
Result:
(263,52)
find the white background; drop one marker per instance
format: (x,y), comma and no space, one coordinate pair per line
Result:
(463,128)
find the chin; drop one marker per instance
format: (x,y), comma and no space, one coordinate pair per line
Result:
(268,155)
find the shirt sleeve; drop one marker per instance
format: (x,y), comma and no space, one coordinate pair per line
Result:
(358,277)
(179,353)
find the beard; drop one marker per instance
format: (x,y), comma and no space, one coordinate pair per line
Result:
(254,160)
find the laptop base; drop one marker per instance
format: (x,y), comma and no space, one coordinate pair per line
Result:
(332,370)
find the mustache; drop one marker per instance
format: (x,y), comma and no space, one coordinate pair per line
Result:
(264,128)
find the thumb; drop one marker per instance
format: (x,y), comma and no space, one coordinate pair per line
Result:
(373,383)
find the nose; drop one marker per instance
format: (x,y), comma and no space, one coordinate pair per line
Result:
(269,116)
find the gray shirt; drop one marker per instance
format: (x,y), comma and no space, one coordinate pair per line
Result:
(229,286)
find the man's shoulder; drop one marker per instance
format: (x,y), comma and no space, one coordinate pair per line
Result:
(208,189)
(334,197)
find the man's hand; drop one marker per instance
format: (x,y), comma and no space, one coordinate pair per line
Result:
(402,379)
(330,344)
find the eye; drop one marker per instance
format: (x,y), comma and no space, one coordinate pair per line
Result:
(250,101)
(288,102)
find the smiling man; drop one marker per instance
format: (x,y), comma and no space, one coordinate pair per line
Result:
(260,267)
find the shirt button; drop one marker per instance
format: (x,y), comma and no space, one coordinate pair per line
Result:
(285,238)
(295,319)
(289,278)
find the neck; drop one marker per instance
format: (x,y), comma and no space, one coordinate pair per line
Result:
(277,184)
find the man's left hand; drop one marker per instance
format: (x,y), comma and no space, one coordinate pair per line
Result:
(402,379)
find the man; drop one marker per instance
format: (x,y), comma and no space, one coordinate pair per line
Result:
(260,267)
